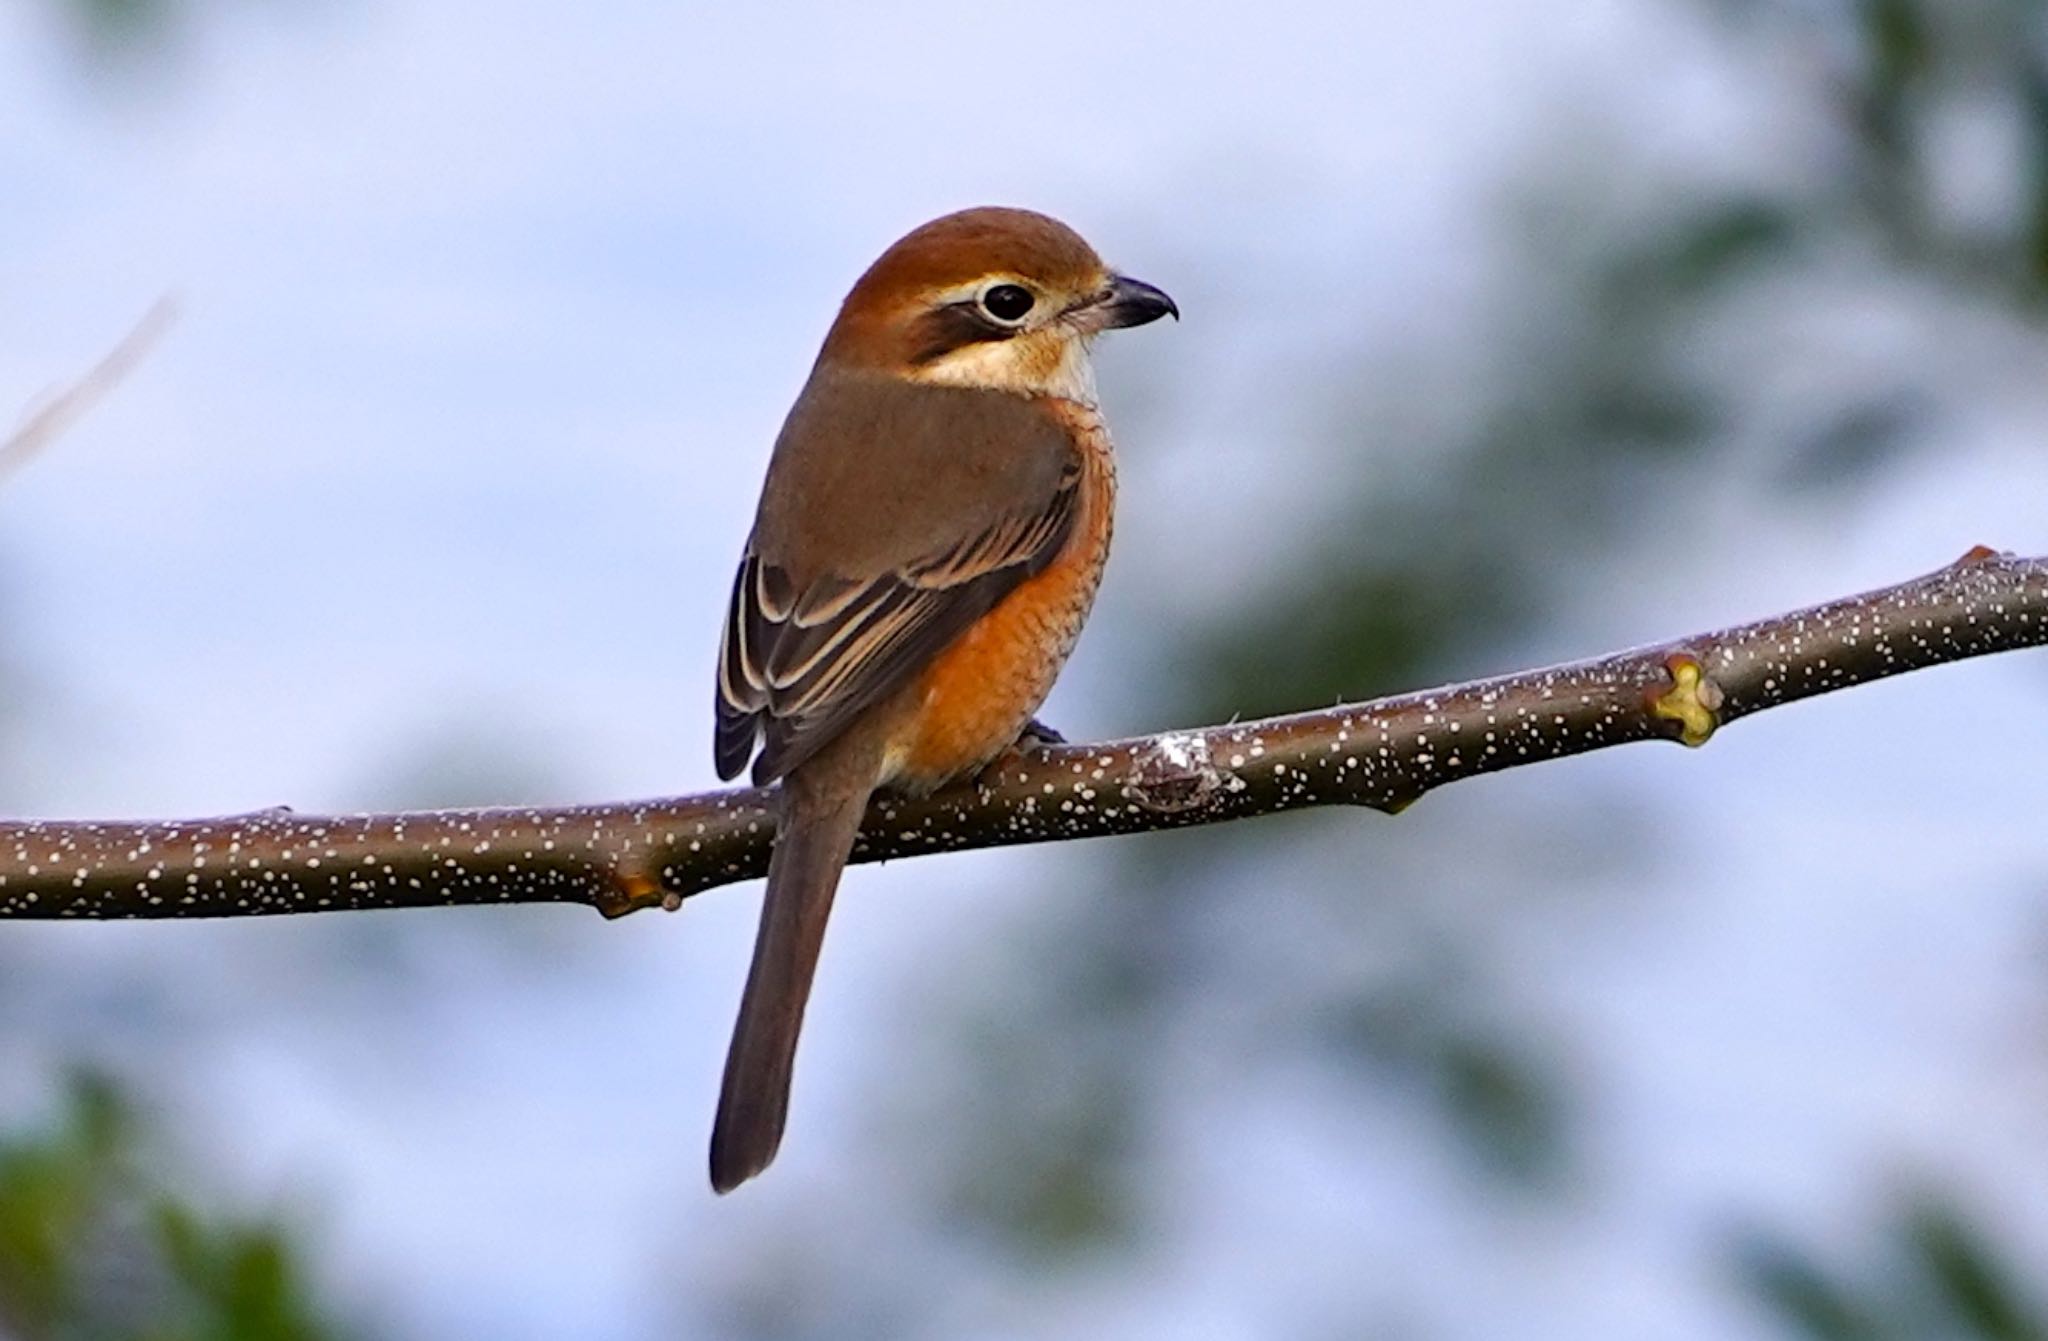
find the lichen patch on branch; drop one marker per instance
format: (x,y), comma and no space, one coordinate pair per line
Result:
(1175,774)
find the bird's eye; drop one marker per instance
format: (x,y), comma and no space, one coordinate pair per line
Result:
(1008,303)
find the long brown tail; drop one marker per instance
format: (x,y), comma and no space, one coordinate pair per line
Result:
(815,835)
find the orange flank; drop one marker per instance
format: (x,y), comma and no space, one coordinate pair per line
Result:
(980,691)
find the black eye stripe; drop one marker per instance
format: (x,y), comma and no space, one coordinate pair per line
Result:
(997,314)
(955,326)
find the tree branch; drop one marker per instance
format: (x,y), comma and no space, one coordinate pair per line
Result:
(1384,754)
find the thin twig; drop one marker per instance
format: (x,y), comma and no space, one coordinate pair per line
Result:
(64,407)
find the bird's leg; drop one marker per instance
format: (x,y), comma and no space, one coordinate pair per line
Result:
(1036,735)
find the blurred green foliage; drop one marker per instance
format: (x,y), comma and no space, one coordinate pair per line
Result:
(1503,1106)
(1444,564)
(134,26)
(1898,73)
(1935,1275)
(95,1247)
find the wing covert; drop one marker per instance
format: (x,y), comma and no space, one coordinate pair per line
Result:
(799,663)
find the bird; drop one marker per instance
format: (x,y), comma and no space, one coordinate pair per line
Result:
(930,535)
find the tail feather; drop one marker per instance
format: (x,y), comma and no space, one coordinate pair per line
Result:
(811,846)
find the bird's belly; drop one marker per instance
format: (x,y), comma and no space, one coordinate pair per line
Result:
(976,695)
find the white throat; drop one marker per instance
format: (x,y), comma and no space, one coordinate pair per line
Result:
(1040,363)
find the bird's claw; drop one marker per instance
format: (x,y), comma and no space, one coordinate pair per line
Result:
(1036,733)
(1035,736)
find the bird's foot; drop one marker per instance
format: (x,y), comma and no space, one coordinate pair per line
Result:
(1036,733)
(1035,736)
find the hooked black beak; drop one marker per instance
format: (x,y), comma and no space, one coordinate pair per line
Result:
(1132,302)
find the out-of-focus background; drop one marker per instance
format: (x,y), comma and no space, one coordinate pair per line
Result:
(1515,332)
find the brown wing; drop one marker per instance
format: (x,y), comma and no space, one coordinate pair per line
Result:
(893,516)
(796,666)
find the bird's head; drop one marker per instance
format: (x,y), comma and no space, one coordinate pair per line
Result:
(1003,299)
